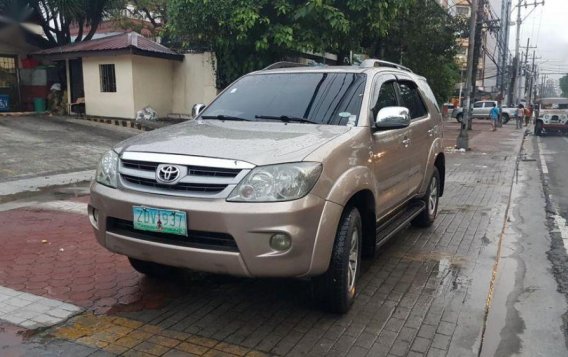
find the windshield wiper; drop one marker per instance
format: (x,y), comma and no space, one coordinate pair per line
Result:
(224,117)
(286,119)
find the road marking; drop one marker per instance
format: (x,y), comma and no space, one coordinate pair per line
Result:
(64,206)
(542,159)
(31,311)
(559,221)
(36,183)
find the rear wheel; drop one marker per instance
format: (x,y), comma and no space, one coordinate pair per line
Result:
(428,215)
(538,128)
(505,118)
(150,268)
(337,287)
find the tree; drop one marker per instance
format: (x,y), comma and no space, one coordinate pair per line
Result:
(249,34)
(564,85)
(140,15)
(56,16)
(426,44)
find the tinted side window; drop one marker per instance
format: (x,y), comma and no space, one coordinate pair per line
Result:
(478,105)
(387,97)
(412,100)
(429,94)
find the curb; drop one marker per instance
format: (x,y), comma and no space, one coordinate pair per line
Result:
(22,114)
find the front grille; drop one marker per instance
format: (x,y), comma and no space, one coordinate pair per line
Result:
(201,181)
(212,171)
(192,170)
(194,239)
(140,165)
(183,187)
(555,118)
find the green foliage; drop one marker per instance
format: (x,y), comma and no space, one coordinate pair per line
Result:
(249,34)
(427,44)
(142,16)
(56,16)
(564,85)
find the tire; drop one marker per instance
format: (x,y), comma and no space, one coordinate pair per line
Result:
(337,287)
(427,217)
(459,118)
(151,269)
(505,118)
(538,128)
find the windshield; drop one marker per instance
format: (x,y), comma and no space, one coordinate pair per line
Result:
(320,98)
(556,103)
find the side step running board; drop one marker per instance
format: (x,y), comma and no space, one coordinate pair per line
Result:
(388,229)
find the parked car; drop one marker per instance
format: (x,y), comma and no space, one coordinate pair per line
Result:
(289,172)
(551,115)
(481,109)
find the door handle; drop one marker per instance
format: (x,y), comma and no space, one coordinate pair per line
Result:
(406,142)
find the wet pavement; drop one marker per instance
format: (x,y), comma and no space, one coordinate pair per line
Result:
(427,292)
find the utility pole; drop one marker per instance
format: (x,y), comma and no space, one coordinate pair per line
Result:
(463,139)
(477,51)
(532,79)
(504,48)
(513,99)
(521,65)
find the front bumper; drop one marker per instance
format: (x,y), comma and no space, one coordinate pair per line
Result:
(310,221)
(563,127)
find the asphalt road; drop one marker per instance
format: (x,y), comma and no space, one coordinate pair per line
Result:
(528,310)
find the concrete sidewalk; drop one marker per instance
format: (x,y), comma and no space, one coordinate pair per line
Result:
(425,293)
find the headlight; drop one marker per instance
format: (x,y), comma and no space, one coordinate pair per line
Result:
(283,182)
(107,169)
(563,117)
(546,116)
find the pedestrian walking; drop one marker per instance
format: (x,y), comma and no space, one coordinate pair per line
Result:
(494,116)
(530,113)
(519,114)
(527,116)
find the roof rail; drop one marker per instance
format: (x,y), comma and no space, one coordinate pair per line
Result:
(284,64)
(371,62)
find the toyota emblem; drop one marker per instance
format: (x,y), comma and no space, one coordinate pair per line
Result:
(168,174)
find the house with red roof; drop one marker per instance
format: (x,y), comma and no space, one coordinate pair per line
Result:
(118,75)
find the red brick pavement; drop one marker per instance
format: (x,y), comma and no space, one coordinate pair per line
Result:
(55,254)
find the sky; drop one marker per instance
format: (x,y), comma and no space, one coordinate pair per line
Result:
(547,27)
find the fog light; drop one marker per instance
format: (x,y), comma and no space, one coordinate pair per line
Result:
(280,241)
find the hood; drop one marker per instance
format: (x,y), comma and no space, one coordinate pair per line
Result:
(553,112)
(259,143)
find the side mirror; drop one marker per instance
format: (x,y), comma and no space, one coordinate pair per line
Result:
(392,118)
(197,109)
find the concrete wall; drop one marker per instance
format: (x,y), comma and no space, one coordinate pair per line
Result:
(194,81)
(153,78)
(165,85)
(119,104)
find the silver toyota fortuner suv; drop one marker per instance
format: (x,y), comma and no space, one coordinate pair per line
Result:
(291,171)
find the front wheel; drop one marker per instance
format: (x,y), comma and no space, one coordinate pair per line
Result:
(428,215)
(337,287)
(459,118)
(538,128)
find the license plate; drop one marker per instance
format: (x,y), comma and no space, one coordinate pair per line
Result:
(160,220)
